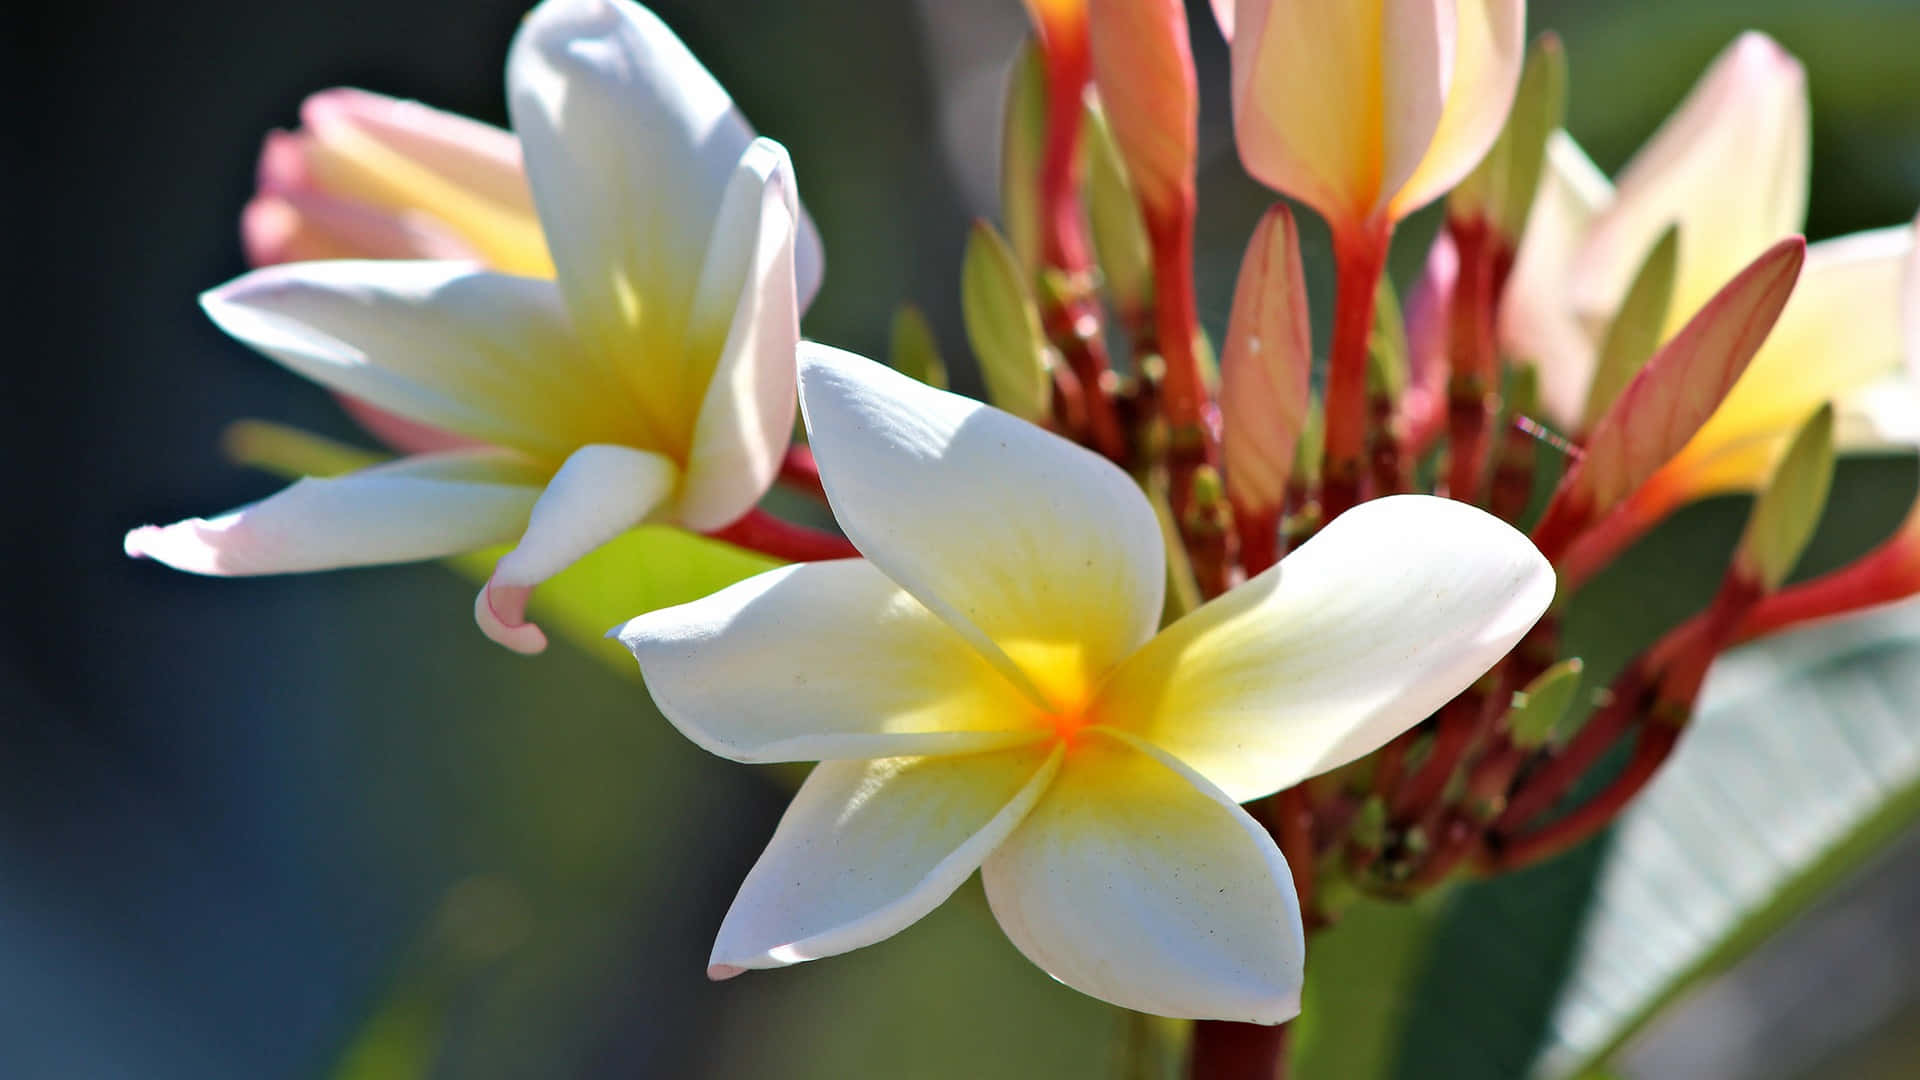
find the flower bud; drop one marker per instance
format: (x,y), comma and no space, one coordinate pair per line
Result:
(1784,516)
(376,177)
(912,350)
(1023,142)
(1003,325)
(1539,711)
(1635,330)
(1143,68)
(1729,167)
(1119,234)
(1366,110)
(1265,362)
(1500,190)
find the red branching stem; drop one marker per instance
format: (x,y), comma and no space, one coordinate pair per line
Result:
(1541,790)
(1359,256)
(1176,323)
(757,530)
(1073,321)
(1650,750)
(1513,467)
(1602,541)
(800,472)
(1887,573)
(1473,371)
(1291,821)
(1225,1050)
(1456,729)
(1069,67)
(1259,538)
(1391,465)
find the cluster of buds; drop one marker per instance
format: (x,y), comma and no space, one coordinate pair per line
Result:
(1656,341)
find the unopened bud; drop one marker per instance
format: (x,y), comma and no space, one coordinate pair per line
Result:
(1119,233)
(1636,327)
(912,350)
(1265,364)
(1500,190)
(1784,516)
(1539,711)
(1023,137)
(1003,325)
(1143,67)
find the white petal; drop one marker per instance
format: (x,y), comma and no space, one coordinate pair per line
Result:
(628,142)
(1395,607)
(601,492)
(1729,166)
(481,354)
(1021,540)
(745,326)
(868,847)
(423,507)
(822,660)
(1136,881)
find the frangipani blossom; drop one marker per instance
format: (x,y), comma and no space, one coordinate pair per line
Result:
(652,381)
(1839,334)
(1367,110)
(986,689)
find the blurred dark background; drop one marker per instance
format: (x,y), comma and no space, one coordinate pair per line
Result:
(318,825)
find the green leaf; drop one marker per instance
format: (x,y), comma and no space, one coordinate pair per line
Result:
(1803,760)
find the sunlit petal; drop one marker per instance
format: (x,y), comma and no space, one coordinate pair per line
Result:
(745,326)
(1138,882)
(1395,607)
(423,507)
(822,660)
(868,847)
(1018,538)
(1839,334)
(1489,43)
(1730,166)
(601,492)
(476,353)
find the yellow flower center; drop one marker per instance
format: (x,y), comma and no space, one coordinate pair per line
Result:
(1059,671)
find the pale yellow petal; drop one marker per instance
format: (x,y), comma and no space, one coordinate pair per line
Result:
(868,847)
(1489,45)
(1136,881)
(1395,607)
(823,660)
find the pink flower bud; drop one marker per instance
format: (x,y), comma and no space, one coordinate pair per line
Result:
(1367,110)
(370,176)
(1143,68)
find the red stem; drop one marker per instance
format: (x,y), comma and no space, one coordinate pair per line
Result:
(1540,791)
(1473,374)
(757,530)
(1224,1050)
(1655,742)
(1359,259)
(1455,731)
(800,472)
(1887,573)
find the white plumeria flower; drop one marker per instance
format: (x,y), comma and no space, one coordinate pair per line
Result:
(653,381)
(986,689)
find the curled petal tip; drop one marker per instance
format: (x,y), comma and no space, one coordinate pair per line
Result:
(137,543)
(501,611)
(723,972)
